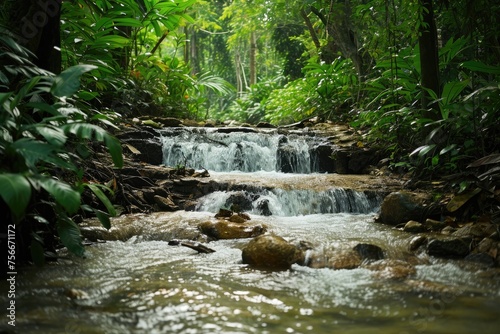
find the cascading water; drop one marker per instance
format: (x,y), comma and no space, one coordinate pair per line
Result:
(142,285)
(238,151)
(288,203)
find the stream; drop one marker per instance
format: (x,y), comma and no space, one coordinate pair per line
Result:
(138,283)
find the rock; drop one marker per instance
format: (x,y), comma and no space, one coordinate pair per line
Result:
(323,155)
(448,230)
(265,125)
(481,258)
(434,225)
(479,230)
(413,227)
(369,252)
(236,218)
(334,258)
(391,269)
(271,252)
(449,247)
(227,230)
(244,215)
(287,158)
(416,242)
(165,203)
(353,159)
(400,207)
(263,207)
(224,213)
(76,294)
(240,200)
(490,247)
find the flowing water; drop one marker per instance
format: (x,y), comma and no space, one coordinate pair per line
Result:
(141,284)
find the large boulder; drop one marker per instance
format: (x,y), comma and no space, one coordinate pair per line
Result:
(271,252)
(401,207)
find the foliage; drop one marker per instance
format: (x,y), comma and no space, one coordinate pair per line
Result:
(44,137)
(326,89)
(125,40)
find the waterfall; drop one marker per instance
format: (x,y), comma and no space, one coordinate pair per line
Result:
(238,150)
(280,202)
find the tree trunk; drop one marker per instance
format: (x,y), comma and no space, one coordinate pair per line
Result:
(253,58)
(310,28)
(37,26)
(344,37)
(429,60)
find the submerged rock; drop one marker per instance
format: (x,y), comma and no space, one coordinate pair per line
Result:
(343,258)
(369,252)
(271,252)
(391,269)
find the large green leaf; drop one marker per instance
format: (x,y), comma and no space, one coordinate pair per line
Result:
(96,189)
(54,136)
(62,192)
(70,235)
(68,82)
(32,150)
(481,67)
(15,190)
(90,131)
(452,89)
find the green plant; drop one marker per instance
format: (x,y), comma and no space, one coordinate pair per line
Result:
(125,41)
(43,140)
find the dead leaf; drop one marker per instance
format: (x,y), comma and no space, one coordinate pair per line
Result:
(459,200)
(132,149)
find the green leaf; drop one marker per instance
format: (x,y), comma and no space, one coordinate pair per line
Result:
(96,189)
(452,89)
(478,66)
(32,150)
(422,150)
(115,150)
(68,82)
(110,42)
(54,136)
(15,190)
(447,149)
(70,235)
(62,192)
(89,131)
(103,218)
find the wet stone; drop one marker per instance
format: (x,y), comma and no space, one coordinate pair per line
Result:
(369,252)
(434,225)
(400,207)
(228,230)
(271,252)
(481,258)
(449,247)
(413,227)
(416,242)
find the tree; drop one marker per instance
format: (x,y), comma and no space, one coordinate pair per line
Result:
(429,59)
